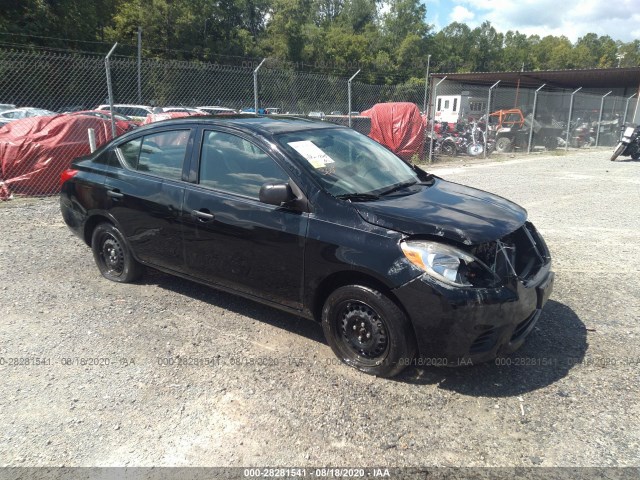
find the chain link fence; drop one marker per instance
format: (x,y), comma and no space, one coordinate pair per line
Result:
(528,120)
(34,150)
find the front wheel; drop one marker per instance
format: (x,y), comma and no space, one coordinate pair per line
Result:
(366,330)
(112,255)
(503,145)
(618,151)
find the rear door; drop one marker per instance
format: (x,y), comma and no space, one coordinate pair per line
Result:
(233,239)
(146,192)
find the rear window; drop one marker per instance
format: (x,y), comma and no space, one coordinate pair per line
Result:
(160,154)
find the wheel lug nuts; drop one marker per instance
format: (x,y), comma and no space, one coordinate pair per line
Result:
(354,327)
(368,335)
(362,324)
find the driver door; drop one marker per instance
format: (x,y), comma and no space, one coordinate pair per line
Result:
(230,237)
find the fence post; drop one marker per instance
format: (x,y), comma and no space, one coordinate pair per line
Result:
(107,66)
(533,116)
(92,139)
(140,65)
(600,116)
(626,109)
(435,96)
(349,93)
(255,87)
(566,143)
(426,86)
(486,124)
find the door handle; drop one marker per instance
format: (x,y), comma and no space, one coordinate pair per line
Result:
(202,215)
(114,194)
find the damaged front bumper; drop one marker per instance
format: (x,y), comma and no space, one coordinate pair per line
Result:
(462,326)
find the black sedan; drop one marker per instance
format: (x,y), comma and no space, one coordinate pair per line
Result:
(400,266)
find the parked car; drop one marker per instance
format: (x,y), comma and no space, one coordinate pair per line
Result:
(6,106)
(123,122)
(261,111)
(320,221)
(217,110)
(8,116)
(189,110)
(25,112)
(316,115)
(34,151)
(137,112)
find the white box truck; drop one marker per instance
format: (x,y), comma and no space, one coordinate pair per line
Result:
(463,107)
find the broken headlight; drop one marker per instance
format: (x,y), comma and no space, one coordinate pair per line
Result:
(448,264)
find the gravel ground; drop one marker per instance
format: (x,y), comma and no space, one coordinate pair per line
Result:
(272,392)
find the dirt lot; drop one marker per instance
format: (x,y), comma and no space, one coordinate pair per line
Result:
(271,392)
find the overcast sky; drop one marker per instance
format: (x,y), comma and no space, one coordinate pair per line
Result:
(620,19)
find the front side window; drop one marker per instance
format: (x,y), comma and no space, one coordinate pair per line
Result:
(160,154)
(235,165)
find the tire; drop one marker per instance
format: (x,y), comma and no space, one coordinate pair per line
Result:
(616,153)
(551,143)
(503,145)
(112,255)
(448,148)
(367,331)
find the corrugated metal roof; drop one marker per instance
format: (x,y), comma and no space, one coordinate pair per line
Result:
(564,79)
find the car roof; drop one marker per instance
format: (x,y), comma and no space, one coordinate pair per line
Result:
(261,124)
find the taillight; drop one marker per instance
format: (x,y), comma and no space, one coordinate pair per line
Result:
(68,174)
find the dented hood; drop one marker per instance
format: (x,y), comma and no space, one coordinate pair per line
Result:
(446,209)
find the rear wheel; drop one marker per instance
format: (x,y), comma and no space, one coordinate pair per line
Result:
(618,151)
(366,330)
(448,148)
(112,255)
(551,143)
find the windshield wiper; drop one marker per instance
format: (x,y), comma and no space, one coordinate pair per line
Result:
(397,187)
(358,197)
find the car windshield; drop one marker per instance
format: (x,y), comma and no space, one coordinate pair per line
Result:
(348,164)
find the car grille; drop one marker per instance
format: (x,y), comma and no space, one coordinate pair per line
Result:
(520,254)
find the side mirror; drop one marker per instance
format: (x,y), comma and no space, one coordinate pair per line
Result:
(276,193)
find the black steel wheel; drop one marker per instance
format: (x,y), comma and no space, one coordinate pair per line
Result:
(112,255)
(368,331)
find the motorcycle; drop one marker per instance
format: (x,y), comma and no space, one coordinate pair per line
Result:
(629,144)
(469,140)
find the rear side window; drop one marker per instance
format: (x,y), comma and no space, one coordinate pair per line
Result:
(160,154)
(130,152)
(235,165)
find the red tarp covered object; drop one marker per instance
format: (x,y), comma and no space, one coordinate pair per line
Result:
(35,151)
(397,126)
